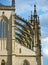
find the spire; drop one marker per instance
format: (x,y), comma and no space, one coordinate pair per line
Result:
(13,3)
(31,16)
(35,13)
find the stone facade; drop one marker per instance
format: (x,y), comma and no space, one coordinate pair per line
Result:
(11,52)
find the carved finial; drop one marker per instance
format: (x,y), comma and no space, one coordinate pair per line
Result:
(13,3)
(35,13)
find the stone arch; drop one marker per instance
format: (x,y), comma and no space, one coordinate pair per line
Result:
(3,62)
(26,62)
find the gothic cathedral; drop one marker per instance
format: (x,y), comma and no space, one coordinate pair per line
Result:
(20,39)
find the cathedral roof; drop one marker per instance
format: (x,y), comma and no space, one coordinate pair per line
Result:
(5,7)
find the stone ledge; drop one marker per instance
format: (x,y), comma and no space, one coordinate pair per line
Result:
(7,8)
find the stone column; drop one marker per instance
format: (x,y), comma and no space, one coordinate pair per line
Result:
(13,33)
(13,39)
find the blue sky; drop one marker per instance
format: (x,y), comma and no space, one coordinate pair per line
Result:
(23,9)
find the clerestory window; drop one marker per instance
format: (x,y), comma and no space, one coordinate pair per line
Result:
(3,29)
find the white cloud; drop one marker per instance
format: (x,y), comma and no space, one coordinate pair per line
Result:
(44,19)
(23,4)
(45,52)
(45,46)
(23,9)
(45,42)
(9,0)
(45,39)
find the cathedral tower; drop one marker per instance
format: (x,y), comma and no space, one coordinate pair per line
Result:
(37,36)
(34,19)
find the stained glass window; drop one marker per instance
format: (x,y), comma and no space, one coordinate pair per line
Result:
(3,29)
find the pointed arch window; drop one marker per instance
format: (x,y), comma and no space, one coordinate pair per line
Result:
(26,62)
(3,62)
(3,29)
